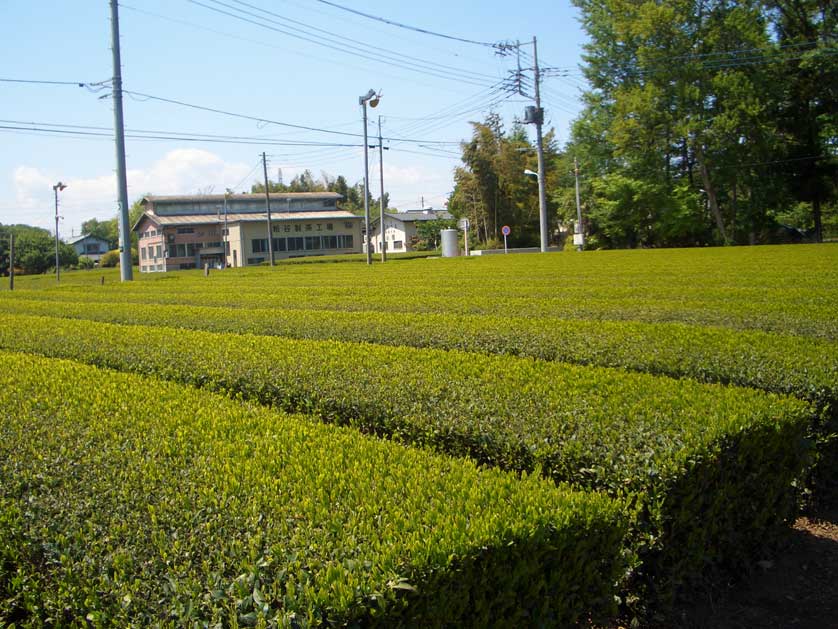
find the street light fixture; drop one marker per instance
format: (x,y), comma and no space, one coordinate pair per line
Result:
(57,188)
(532,173)
(372,98)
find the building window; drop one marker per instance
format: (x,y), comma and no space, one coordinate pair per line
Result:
(279,244)
(312,242)
(398,244)
(330,242)
(295,244)
(348,225)
(213,244)
(329,203)
(345,242)
(158,251)
(142,253)
(259,245)
(186,230)
(253,261)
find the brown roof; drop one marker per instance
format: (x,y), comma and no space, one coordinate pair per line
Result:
(213,219)
(219,198)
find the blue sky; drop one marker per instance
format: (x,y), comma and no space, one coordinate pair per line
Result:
(269,63)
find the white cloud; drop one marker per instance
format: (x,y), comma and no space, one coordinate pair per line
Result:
(181,171)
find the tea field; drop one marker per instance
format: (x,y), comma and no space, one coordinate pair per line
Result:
(522,440)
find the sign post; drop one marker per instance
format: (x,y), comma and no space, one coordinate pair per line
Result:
(464,225)
(505,231)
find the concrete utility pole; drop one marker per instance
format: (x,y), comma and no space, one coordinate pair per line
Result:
(381,199)
(55,189)
(539,147)
(226,231)
(126,271)
(268,209)
(11,261)
(579,236)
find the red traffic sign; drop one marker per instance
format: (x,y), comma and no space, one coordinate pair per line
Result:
(505,230)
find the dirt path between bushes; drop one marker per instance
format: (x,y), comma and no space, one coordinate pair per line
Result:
(795,588)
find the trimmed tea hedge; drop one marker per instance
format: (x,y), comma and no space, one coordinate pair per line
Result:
(130,501)
(787,290)
(709,469)
(805,368)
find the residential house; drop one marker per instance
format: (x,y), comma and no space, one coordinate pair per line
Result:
(400,232)
(89,246)
(187,232)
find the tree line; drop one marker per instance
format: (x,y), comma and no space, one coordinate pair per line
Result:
(704,122)
(353,196)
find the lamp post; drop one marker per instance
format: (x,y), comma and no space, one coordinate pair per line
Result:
(56,189)
(372,98)
(578,234)
(532,173)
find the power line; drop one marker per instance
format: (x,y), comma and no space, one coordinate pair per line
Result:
(408,27)
(357,49)
(364,46)
(275,122)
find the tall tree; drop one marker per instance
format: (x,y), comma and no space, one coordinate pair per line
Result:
(491,188)
(683,101)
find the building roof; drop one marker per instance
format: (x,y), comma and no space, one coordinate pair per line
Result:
(73,241)
(203,219)
(417,216)
(219,198)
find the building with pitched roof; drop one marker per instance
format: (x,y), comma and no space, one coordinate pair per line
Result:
(400,229)
(187,232)
(89,246)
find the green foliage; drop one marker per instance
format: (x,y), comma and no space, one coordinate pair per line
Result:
(110,259)
(86,263)
(34,250)
(491,189)
(734,102)
(635,436)
(707,473)
(127,501)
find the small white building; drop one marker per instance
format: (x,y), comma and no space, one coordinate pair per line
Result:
(187,232)
(400,233)
(89,246)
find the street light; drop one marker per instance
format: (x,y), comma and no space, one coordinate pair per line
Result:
(532,173)
(372,98)
(57,188)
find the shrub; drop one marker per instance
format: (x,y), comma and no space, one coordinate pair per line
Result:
(677,451)
(130,501)
(110,259)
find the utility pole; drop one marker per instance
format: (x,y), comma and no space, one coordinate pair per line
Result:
(268,208)
(381,199)
(126,271)
(55,189)
(367,188)
(539,147)
(226,230)
(578,236)
(11,261)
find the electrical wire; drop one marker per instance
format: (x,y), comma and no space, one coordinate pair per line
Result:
(407,26)
(364,45)
(339,45)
